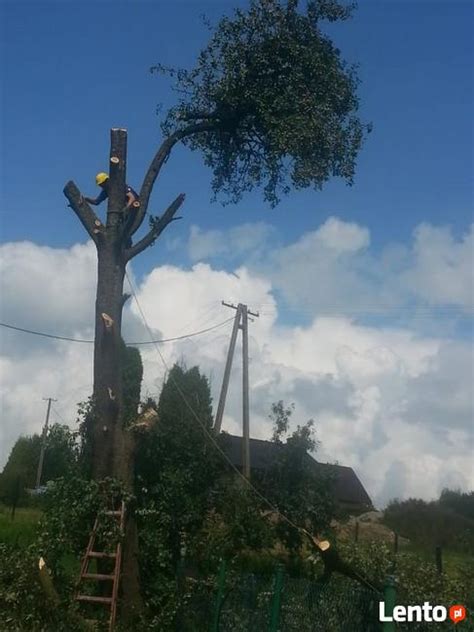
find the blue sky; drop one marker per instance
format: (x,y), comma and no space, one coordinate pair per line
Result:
(366,292)
(72,70)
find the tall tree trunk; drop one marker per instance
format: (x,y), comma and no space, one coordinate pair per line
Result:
(107,422)
(112,445)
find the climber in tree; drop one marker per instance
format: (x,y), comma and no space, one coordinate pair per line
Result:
(131,196)
(102,180)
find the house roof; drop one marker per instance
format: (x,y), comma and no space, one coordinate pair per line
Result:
(347,487)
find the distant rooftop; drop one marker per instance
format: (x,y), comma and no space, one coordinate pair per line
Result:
(348,489)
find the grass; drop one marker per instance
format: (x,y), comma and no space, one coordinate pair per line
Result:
(22,529)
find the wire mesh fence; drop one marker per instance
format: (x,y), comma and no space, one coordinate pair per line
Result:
(337,606)
(248,602)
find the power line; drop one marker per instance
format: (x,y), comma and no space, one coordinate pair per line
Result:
(58,415)
(146,342)
(203,425)
(40,333)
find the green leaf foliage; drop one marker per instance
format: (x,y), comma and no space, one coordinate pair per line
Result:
(176,468)
(445,522)
(70,508)
(292,483)
(276,102)
(416,579)
(24,606)
(60,459)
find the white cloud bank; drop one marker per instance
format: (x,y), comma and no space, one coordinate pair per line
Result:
(391,401)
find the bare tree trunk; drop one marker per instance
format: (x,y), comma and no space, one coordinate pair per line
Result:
(107,393)
(112,446)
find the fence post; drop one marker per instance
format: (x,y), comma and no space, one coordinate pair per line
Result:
(390,599)
(220,595)
(276,599)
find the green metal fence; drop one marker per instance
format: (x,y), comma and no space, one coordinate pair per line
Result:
(280,603)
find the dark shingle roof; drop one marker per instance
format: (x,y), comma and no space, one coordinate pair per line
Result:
(347,487)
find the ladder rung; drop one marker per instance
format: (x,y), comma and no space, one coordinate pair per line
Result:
(113,513)
(101,554)
(92,599)
(98,576)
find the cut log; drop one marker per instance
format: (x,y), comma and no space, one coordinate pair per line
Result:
(93,599)
(47,582)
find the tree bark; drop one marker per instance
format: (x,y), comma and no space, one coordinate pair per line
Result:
(107,395)
(112,445)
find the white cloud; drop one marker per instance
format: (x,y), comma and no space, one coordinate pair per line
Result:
(390,401)
(54,288)
(342,236)
(233,243)
(332,270)
(442,269)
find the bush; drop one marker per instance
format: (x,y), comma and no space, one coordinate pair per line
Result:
(429,524)
(23,604)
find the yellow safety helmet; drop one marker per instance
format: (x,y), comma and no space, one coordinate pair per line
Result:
(101,178)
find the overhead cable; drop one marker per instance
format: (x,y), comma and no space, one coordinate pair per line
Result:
(146,342)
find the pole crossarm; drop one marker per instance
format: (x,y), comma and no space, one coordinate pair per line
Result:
(81,208)
(240,305)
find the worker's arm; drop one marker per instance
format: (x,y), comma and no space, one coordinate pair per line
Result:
(98,200)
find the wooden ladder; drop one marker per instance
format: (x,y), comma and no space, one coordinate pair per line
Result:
(114,577)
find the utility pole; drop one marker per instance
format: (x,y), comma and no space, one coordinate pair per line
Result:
(245,393)
(240,322)
(43,440)
(228,366)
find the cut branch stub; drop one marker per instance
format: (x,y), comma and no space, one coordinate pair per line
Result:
(146,420)
(108,321)
(114,160)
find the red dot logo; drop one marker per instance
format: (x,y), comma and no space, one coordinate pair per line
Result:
(457,613)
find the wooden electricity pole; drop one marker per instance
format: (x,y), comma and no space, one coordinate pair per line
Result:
(44,437)
(240,322)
